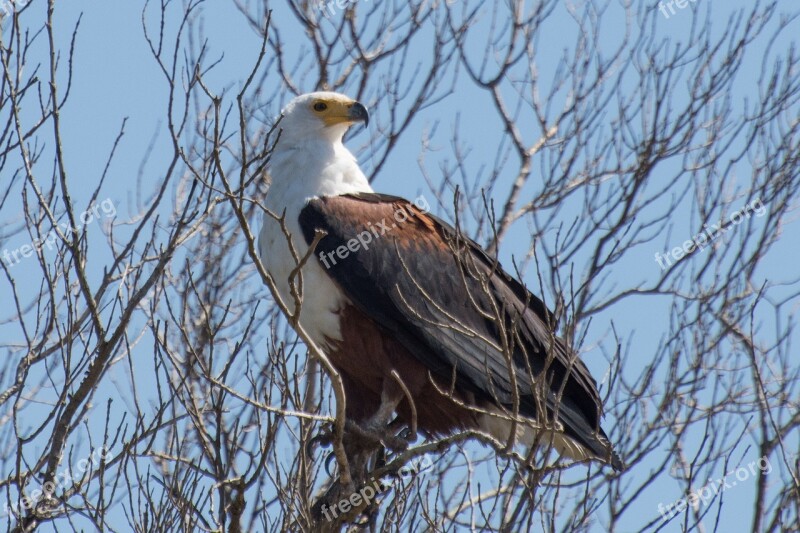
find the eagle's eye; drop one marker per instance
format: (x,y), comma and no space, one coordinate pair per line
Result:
(320,106)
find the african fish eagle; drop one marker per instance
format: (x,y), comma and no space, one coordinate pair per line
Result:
(395,294)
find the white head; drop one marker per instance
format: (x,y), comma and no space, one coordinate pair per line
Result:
(310,159)
(319,116)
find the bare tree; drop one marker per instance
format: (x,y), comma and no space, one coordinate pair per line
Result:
(153,380)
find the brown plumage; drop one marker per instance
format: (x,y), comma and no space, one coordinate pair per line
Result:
(426,302)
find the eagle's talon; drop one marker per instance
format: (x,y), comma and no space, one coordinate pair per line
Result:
(360,437)
(330,461)
(407,435)
(371,435)
(324,438)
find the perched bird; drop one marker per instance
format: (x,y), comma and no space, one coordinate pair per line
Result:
(418,319)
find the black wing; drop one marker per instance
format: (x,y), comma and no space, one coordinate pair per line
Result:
(440,294)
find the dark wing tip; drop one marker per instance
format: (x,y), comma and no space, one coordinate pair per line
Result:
(615,462)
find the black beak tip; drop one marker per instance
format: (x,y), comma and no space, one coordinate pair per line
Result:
(359,113)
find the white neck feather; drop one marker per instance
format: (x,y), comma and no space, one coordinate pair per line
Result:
(301,171)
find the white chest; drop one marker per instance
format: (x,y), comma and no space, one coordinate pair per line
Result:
(321,298)
(301,172)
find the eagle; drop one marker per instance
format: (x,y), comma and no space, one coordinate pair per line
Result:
(421,323)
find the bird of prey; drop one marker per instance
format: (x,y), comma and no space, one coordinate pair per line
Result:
(420,321)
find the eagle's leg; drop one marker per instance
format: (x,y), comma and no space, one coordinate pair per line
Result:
(371,432)
(363,441)
(377,429)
